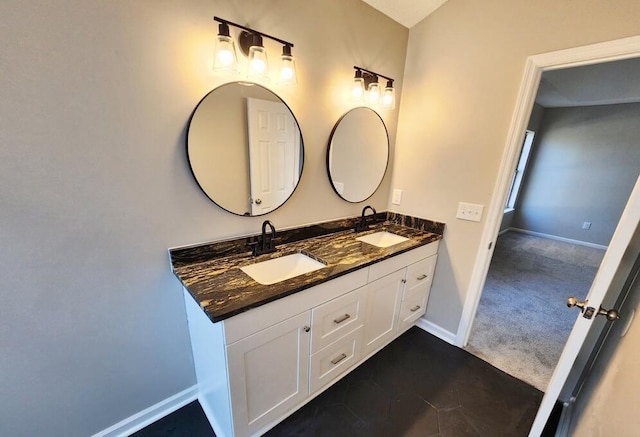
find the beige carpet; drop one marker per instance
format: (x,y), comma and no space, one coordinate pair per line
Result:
(523,323)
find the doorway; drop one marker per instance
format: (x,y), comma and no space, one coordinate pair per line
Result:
(536,65)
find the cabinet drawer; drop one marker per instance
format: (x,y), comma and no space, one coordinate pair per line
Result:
(383,268)
(419,276)
(335,359)
(335,318)
(412,309)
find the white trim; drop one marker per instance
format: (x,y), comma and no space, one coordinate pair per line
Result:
(149,415)
(436,330)
(211,417)
(556,238)
(624,48)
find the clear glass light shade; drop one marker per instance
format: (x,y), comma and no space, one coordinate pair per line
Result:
(357,89)
(225,54)
(287,73)
(389,98)
(258,64)
(373,94)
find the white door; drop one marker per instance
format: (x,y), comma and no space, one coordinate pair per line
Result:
(607,403)
(274,154)
(601,287)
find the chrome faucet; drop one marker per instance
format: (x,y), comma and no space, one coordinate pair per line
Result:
(362,225)
(266,242)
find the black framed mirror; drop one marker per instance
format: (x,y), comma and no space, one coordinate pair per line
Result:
(358,154)
(245,148)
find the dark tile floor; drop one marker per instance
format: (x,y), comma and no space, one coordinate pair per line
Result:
(416,386)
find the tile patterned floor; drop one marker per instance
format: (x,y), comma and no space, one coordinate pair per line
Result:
(416,386)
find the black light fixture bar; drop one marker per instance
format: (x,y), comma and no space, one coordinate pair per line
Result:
(255,32)
(373,73)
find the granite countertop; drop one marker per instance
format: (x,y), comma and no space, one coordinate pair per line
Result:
(211,272)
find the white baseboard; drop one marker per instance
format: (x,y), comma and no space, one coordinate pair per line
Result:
(149,415)
(436,330)
(554,237)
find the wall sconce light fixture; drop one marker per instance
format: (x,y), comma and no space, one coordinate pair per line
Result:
(251,44)
(368,80)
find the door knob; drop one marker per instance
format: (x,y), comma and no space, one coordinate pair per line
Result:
(612,315)
(573,302)
(588,312)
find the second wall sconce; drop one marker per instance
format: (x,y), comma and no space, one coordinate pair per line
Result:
(366,88)
(251,44)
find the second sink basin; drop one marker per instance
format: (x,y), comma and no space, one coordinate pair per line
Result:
(278,269)
(382,239)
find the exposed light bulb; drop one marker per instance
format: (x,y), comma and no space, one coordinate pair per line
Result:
(357,88)
(374,93)
(225,51)
(389,96)
(258,64)
(287,75)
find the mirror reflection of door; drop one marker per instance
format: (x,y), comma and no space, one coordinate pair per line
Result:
(274,154)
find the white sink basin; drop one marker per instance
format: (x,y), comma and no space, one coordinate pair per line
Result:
(278,269)
(382,239)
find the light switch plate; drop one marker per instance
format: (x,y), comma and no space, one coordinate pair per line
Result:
(397,197)
(470,211)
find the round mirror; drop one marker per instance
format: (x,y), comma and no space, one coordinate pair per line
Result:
(245,148)
(358,154)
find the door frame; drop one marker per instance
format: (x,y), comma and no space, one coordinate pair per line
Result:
(615,50)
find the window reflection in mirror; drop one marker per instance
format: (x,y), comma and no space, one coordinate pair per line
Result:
(358,154)
(245,148)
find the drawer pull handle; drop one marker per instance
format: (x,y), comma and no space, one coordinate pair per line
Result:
(421,277)
(415,308)
(341,319)
(339,358)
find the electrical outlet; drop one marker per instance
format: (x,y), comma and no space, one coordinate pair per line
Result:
(586,226)
(469,211)
(397,197)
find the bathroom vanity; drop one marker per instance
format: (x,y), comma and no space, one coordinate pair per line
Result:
(263,350)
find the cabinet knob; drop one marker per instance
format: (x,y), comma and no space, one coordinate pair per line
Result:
(307,328)
(404,281)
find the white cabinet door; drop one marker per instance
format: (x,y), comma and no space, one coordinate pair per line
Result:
(269,373)
(383,305)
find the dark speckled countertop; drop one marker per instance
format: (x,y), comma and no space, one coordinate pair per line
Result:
(211,272)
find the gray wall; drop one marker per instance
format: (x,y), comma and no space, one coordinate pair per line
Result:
(464,69)
(584,165)
(94,186)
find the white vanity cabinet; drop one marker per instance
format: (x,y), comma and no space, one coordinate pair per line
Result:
(256,368)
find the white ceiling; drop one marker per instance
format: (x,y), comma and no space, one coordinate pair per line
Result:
(406,12)
(599,84)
